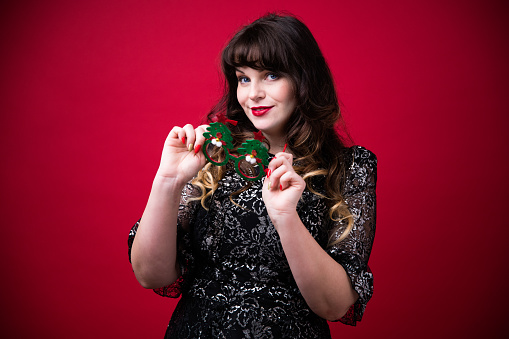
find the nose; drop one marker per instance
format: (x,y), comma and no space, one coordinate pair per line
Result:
(256,91)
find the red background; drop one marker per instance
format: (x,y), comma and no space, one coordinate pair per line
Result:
(89,90)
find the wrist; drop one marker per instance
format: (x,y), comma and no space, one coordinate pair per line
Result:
(168,183)
(285,221)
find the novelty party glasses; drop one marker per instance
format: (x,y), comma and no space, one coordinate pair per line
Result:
(253,156)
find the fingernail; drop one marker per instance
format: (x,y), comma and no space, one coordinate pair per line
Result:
(280,187)
(197,149)
(190,147)
(183,140)
(269,172)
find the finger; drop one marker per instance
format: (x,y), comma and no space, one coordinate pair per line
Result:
(181,134)
(285,155)
(175,134)
(286,180)
(273,165)
(284,159)
(200,139)
(269,184)
(279,171)
(190,136)
(281,156)
(275,175)
(283,181)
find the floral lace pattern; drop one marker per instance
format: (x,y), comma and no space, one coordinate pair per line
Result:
(236,282)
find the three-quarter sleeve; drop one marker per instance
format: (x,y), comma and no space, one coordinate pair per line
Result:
(353,252)
(185,258)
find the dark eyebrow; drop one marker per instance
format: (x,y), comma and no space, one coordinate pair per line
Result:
(238,70)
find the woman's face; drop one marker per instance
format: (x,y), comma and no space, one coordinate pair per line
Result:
(267,98)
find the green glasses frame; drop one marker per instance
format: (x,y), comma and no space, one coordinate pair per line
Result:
(252,151)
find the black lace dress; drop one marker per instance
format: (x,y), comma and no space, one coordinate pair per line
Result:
(236,281)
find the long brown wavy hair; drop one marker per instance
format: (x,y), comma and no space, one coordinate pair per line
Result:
(284,45)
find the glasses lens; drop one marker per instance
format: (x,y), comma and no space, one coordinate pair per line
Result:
(248,169)
(217,155)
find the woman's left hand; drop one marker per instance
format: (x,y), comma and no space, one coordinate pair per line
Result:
(282,189)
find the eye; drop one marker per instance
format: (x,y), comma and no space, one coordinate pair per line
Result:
(272,76)
(243,79)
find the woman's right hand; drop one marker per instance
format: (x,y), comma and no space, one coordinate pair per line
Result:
(154,250)
(182,157)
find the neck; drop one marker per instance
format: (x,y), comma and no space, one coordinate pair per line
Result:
(277,144)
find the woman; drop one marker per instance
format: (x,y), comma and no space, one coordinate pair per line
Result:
(271,258)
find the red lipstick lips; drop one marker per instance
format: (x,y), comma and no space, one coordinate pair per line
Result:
(260,110)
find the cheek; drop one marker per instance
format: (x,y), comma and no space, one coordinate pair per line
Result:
(285,93)
(241,97)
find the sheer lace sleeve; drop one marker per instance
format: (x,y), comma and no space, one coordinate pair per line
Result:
(186,214)
(353,252)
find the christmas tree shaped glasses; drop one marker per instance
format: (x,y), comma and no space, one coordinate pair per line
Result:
(252,158)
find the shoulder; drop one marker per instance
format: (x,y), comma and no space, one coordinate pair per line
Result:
(361,169)
(360,159)
(360,156)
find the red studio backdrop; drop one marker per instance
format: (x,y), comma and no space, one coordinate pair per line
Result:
(90,89)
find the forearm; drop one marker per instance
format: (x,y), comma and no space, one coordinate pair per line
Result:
(154,251)
(323,282)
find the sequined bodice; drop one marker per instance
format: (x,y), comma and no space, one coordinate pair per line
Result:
(236,282)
